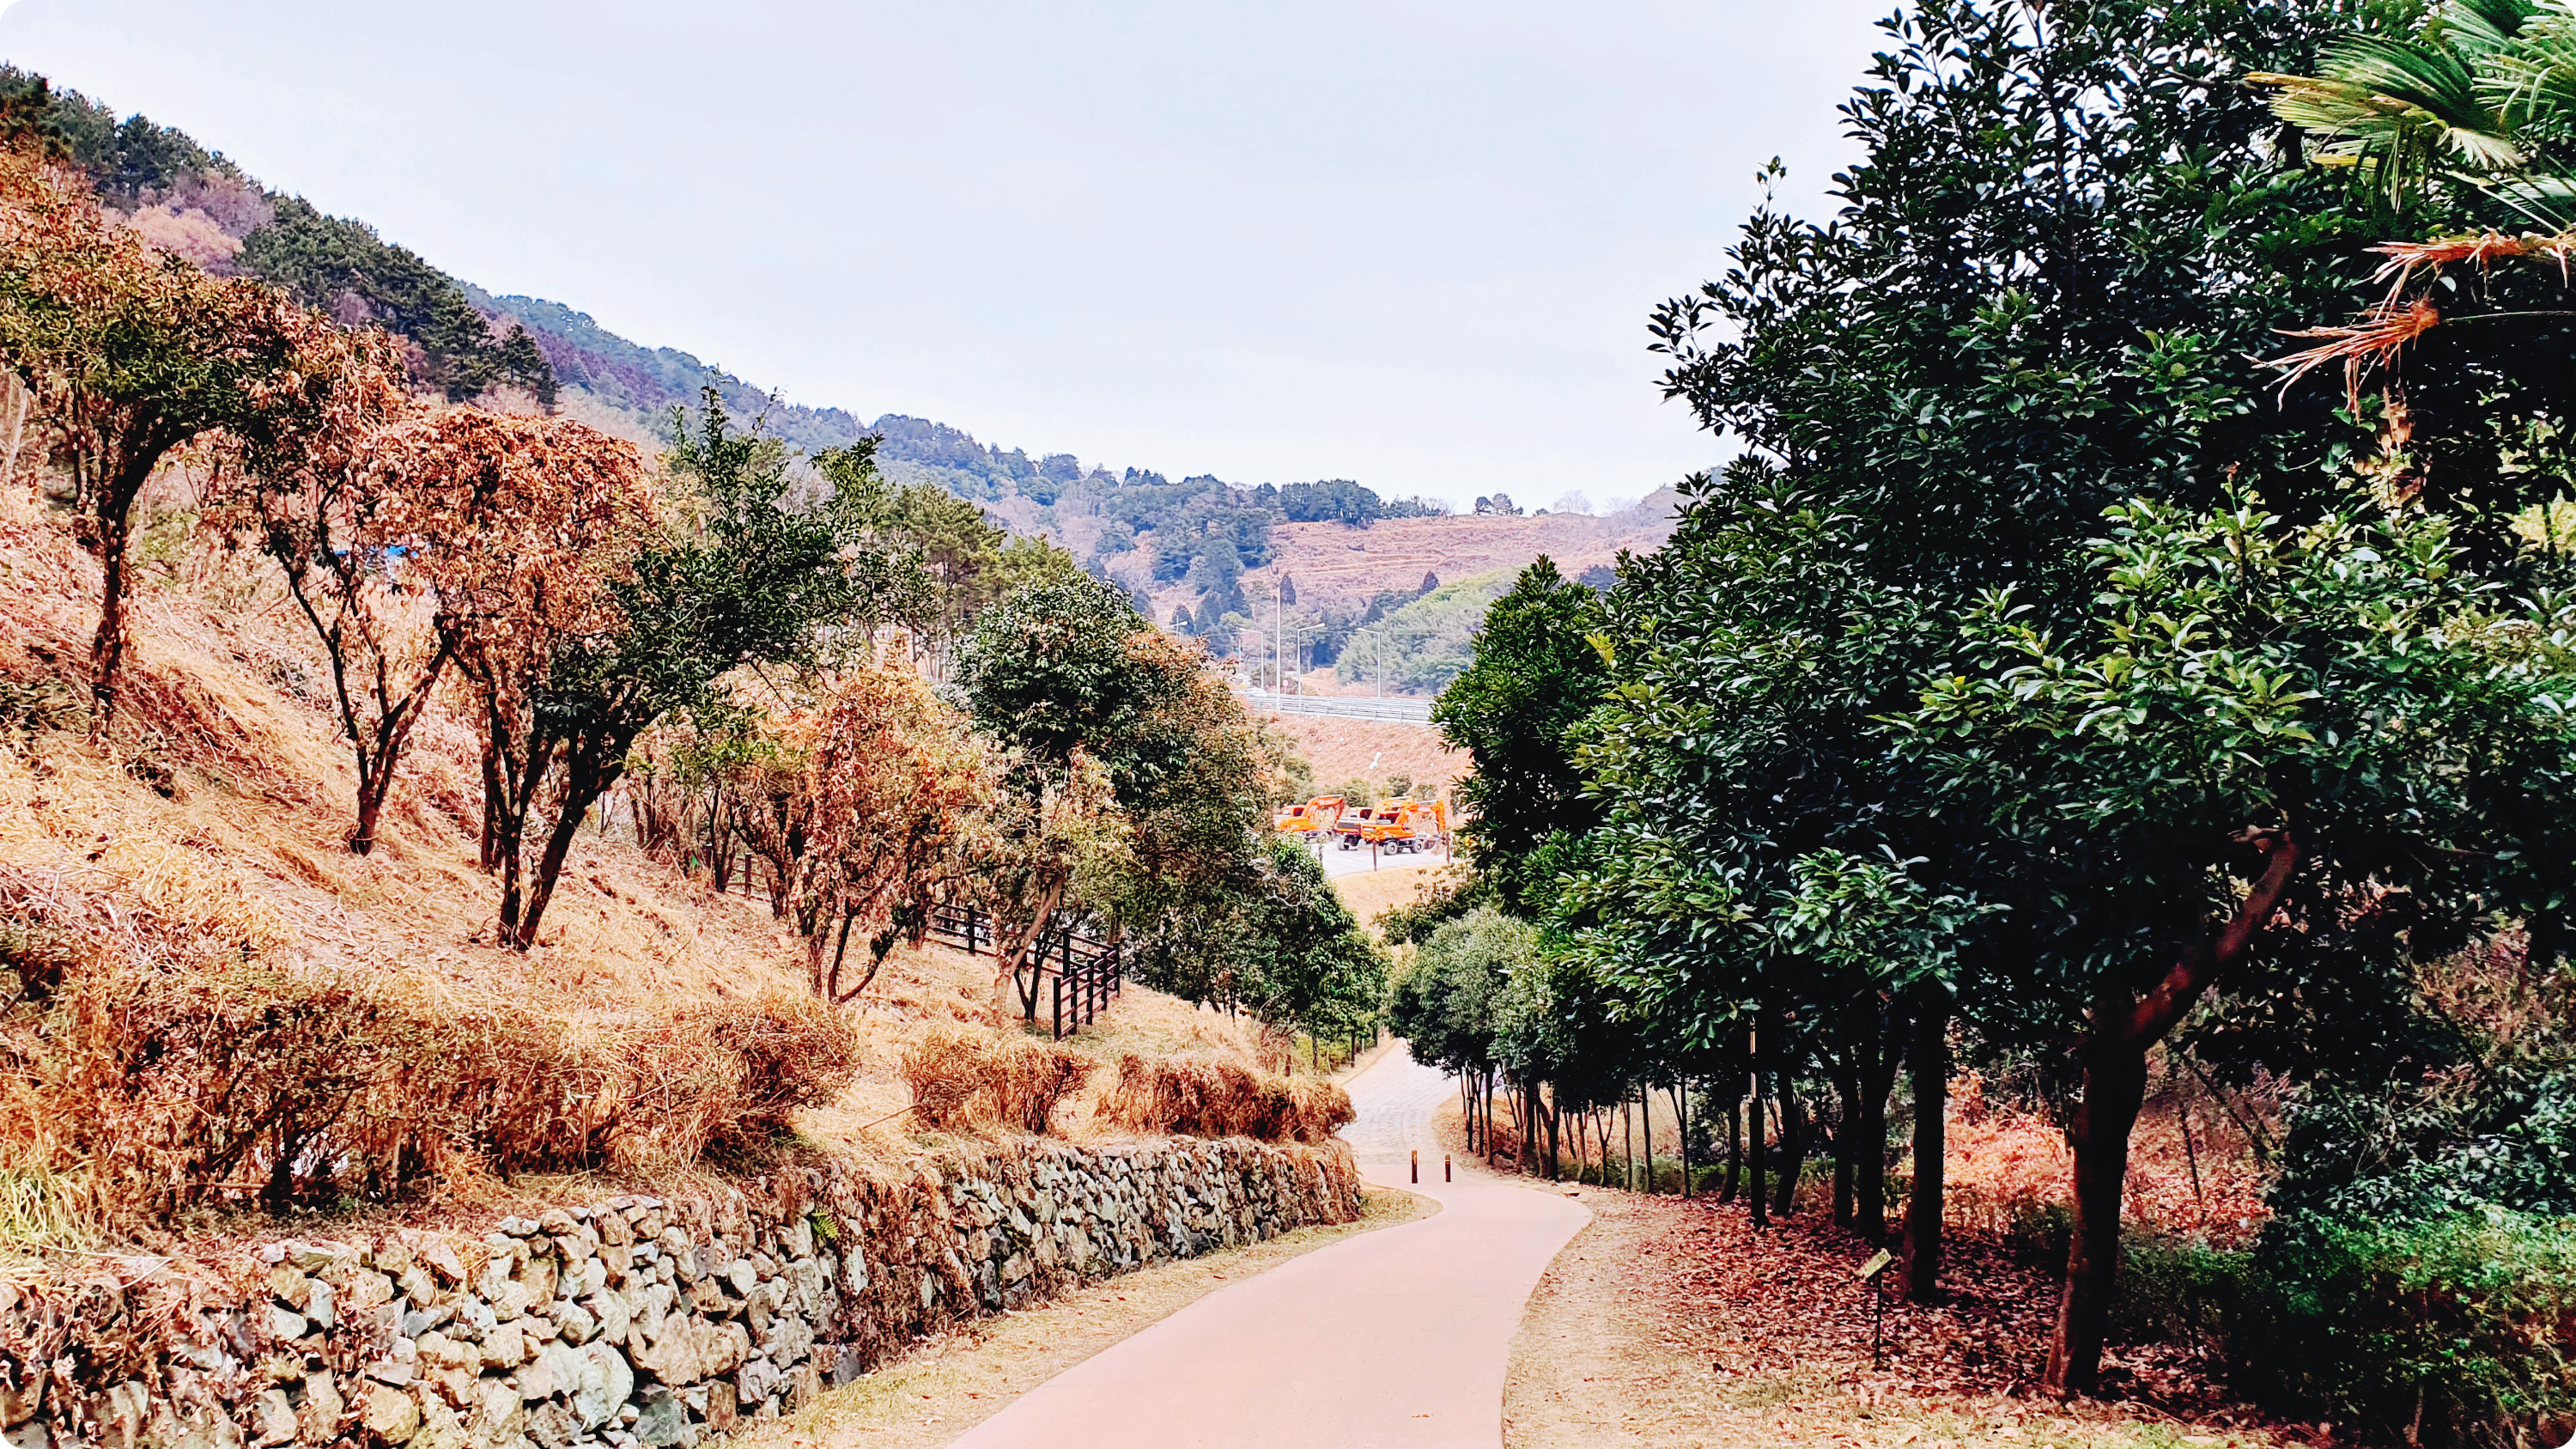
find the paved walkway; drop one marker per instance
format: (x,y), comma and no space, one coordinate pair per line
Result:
(1394,1338)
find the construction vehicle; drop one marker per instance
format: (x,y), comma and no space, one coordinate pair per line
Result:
(1401,826)
(1347,832)
(1314,819)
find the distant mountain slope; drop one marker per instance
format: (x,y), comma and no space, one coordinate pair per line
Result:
(1201,554)
(649,381)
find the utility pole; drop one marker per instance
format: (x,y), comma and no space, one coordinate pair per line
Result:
(1278,632)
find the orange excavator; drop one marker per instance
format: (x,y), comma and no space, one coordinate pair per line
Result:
(1400,826)
(1316,817)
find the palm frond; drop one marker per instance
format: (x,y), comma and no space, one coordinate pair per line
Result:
(2382,333)
(2480,27)
(2548,200)
(2534,82)
(2434,81)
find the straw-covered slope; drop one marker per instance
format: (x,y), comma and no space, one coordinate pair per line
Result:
(210,1004)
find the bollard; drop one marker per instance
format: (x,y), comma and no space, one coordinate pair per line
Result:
(1444,1167)
(1417,1165)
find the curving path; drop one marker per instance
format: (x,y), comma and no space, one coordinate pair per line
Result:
(1394,1338)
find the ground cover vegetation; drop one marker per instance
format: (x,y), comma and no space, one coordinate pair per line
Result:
(2066,692)
(764,668)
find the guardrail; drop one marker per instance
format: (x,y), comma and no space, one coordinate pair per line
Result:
(1382,711)
(1079,971)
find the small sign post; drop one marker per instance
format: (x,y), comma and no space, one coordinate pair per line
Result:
(1874,1273)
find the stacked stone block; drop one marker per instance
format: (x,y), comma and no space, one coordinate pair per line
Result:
(636,1321)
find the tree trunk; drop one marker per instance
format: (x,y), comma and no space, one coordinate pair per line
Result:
(18,401)
(1734,1150)
(488,850)
(1930,1060)
(508,827)
(1627,1143)
(1793,1155)
(1681,1114)
(1878,1079)
(393,733)
(1755,1184)
(1013,951)
(591,773)
(1646,1130)
(113,517)
(1846,1166)
(107,651)
(2115,1087)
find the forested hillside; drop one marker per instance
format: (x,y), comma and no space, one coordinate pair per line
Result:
(1181,548)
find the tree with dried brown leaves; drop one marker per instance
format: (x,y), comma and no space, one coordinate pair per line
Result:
(897,781)
(517,527)
(1039,836)
(130,354)
(322,497)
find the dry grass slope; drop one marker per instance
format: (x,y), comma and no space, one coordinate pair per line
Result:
(207,1003)
(1223,1099)
(1345,749)
(960,1077)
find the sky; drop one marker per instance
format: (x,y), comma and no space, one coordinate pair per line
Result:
(1409,242)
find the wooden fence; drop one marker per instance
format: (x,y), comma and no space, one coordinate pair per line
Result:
(1070,965)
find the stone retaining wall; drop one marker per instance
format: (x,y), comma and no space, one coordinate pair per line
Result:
(633,1321)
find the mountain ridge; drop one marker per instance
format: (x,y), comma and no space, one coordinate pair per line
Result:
(1184,551)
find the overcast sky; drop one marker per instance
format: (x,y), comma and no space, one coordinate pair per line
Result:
(1406,242)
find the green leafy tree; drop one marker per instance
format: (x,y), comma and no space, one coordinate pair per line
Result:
(2024,311)
(1199,775)
(1303,959)
(744,583)
(2266,728)
(948,554)
(1454,1004)
(1048,669)
(1535,675)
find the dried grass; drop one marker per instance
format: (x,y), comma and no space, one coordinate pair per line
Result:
(232,1009)
(961,1077)
(1222,1099)
(161,1090)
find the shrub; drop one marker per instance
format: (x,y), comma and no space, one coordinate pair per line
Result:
(961,1078)
(166,1090)
(2038,1232)
(1220,1099)
(2173,1290)
(2454,1331)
